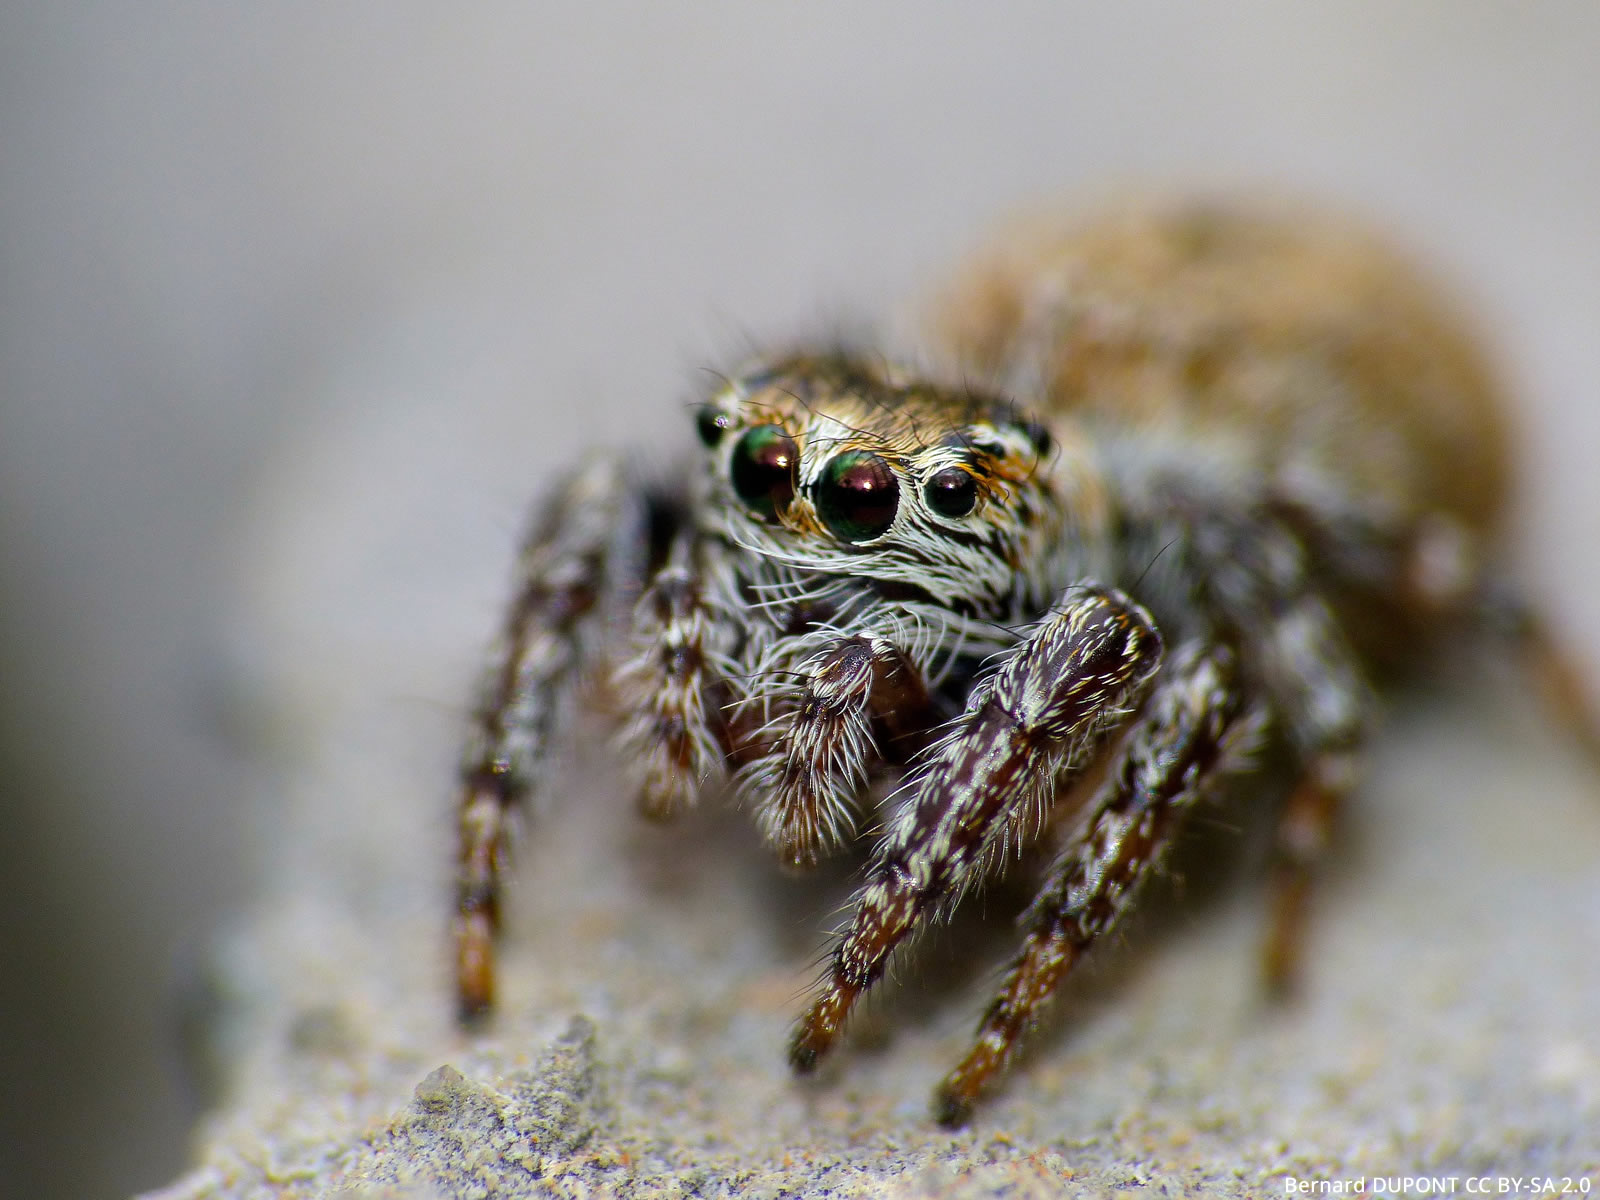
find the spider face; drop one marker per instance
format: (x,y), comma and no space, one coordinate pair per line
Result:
(909,607)
(828,465)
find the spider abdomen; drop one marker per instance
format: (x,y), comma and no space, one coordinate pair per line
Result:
(1303,340)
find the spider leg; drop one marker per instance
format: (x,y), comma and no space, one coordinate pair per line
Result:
(1323,701)
(1305,826)
(1554,668)
(1259,577)
(675,739)
(822,745)
(588,543)
(1040,717)
(1193,727)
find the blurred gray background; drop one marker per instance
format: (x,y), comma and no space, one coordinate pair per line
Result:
(245,250)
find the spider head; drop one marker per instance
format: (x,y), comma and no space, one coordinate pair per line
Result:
(843,467)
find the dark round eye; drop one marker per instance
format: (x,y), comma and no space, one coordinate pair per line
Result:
(711,423)
(857,496)
(951,492)
(1039,435)
(763,469)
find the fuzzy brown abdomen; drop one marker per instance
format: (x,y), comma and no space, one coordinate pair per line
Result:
(1304,341)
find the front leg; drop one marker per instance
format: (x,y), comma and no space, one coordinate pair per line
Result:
(1194,727)
(819,748)
(590,543)
(1034,725)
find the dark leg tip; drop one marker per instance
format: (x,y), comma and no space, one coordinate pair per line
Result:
(797,863)
(472,1013)
(803,1056)
(951,1109)
(1279,988)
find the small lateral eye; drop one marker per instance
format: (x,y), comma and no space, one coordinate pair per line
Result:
(1039,434)
(951,492)
(763,469)
(857,496)
(711,423)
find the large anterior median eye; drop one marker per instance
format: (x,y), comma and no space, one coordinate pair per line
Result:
(763,469)
(857,496)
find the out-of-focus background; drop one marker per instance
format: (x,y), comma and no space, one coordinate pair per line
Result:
(242,246)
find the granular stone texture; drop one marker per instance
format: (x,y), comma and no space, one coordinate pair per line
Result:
(1447,1023)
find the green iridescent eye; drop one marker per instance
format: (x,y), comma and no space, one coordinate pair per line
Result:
(763,468)
(857,496)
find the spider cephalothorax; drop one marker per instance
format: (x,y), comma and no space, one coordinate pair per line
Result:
(832,466)
(1219,469)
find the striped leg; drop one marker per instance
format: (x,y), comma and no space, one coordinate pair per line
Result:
(1192,728)
(675,739)
(1040,718)
(593,526)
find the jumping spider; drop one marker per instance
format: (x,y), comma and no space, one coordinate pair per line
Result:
(1202,472)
